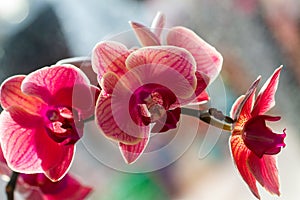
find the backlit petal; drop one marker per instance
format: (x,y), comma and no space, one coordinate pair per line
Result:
(144,35)
(158,24)
(27,147)
(235,106)
(109,56)
(131,153)
(209,60)
(60,85)
(243,112)
(265,171)
(17,140)
(266,97)
(171,67)
(108,82)
(105,119)
(240,155)
(11,95)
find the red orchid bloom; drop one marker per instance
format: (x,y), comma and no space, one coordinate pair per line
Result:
(208,59)
(39,187)
(139,88)
(43,119)
(253,144)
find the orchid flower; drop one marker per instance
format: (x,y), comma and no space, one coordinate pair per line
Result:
(208,59)
(39,187)
(253,144)
(140,88)
(43,118)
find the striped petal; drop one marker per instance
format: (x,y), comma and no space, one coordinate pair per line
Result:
(243,111)
(11,95)
(109,56)
(240,155)
(158,24)
(28,149)
(235,106)
(209,60)
(131,153)
(124,130)
(60,85)
(171,67)
(266,97)
(265,171)
(144,35)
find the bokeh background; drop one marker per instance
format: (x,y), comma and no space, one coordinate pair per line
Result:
(254,37)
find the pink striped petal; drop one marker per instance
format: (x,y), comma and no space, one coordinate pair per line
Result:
(129,133)
(27,147)
(240,155)
(109,56)
(11,95)
(108,82)
(144,35)
(158,24)
(200,95)
(209,60)
(60,85)
(266,97)
(168,66)
(131,153)
(265,171)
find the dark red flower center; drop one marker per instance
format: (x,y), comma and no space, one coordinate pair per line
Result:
(63,124)
(260,139)
(152,102)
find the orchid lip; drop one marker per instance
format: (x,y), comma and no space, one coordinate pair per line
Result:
(62,124)
(260,139)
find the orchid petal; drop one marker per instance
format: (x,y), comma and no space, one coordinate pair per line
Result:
(209,60)
(200,95)
(265,171)
(165,65)
(266,97)
(11,95)
(203,97)
(240,155)
(28,148)
(66,188)
(109,56)
(60,85)
(106,121)
(243,112)
(131,153)
(144,35)
(158,24)
(108,82)
(235,106)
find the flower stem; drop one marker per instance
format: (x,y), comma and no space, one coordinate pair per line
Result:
(211,116)
(11,185)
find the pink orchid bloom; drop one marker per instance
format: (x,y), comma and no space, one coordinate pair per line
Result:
(39,187)
(208,59)
(43,118)
(253,144)
(142,87)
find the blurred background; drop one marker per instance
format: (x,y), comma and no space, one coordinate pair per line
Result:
(254,37)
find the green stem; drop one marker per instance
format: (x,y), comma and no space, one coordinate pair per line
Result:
(11,185)
(211,116)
